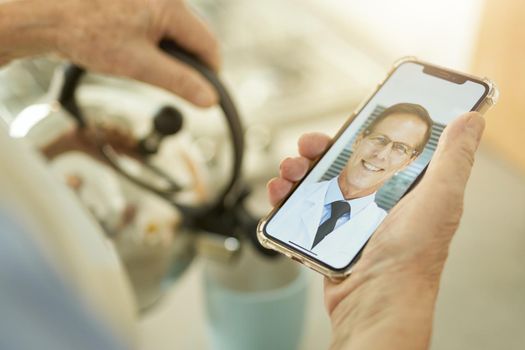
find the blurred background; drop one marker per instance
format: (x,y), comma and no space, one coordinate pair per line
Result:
(299,66)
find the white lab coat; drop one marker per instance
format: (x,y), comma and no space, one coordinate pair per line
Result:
(299,220)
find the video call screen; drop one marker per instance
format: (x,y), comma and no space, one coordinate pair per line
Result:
(345,197)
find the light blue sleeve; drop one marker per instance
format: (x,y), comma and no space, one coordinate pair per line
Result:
(37,309)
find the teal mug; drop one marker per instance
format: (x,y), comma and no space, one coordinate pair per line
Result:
(258,304)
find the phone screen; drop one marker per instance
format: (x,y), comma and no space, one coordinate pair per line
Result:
(336,208)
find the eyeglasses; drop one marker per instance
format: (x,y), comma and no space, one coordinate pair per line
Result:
(400,149)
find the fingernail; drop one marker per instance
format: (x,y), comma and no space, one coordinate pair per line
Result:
(475,125)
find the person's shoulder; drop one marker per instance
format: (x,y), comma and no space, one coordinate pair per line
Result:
(307,191)
(314,186)
(307,186)
(381,213)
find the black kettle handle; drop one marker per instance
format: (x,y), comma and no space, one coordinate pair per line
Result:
(73,75)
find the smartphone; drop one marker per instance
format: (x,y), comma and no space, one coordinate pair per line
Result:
(377,156)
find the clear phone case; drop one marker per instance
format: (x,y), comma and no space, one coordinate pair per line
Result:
(489,101)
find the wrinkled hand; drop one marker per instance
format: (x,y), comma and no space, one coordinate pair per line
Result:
(388,301)
(120,37)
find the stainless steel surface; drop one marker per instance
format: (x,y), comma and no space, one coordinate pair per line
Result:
(218,248)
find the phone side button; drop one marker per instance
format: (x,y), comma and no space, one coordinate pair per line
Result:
(299,260)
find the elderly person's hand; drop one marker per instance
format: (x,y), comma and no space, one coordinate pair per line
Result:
(118,37)
(388,300)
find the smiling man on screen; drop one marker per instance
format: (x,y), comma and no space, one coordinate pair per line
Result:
(336,217)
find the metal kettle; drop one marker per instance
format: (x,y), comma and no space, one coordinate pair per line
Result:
(216,228)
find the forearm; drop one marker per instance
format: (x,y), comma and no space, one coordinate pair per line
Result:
(394,312)
(27,27)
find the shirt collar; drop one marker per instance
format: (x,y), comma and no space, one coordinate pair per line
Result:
(334,194)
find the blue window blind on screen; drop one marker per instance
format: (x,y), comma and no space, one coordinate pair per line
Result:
(394,188)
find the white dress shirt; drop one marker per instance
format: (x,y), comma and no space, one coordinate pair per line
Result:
(334,194)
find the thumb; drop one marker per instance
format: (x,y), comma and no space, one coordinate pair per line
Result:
(454,157)
(442,189)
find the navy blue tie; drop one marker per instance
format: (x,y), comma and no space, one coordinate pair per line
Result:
(338,209)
